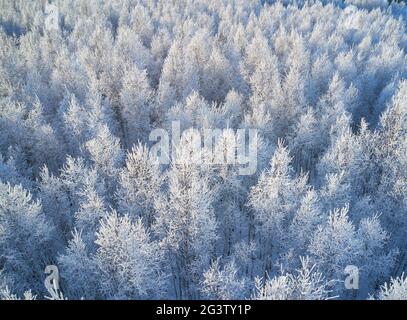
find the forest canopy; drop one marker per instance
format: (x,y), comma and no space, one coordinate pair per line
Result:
(83,83)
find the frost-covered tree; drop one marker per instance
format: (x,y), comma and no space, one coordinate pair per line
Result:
(107,156)
(26,239)
(186,222)
(139,185)
(62,196)
(307,283)
(335,244)
(125,264)
(128,262)
(136,108)
(223,284)
(391,150)
(77,263)
(275,201)
(338,243)
(395,290)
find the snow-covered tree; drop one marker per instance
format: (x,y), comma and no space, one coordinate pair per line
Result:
(275,200)
(139,185)
(395,290)
(223,284)
(77,263)
(26,239)
(335,244)
(186,222)
(135,99)
(128,262)
(307,283)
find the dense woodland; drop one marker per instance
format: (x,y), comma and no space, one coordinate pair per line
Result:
(324,83)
